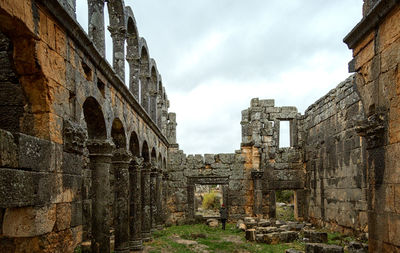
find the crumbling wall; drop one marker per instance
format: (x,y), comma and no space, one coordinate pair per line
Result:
(335,160)
(226,169)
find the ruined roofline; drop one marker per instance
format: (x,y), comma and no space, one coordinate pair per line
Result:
(87,46)
(371,20)
(347,82)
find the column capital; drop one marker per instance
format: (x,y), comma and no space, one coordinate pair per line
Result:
(256,174)
(100,147)
(165,175)
(146,167)
(118,31)
(137,163)
(121,155)
(74,137)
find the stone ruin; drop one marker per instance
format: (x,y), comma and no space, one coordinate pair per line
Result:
(89,159)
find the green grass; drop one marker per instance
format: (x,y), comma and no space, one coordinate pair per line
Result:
(212,240)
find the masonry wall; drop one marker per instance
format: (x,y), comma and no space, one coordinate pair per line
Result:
(335,160)
(183,170)
(375,42)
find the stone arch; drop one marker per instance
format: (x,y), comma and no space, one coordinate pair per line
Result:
(134,146)
(144,74)
(118,134)
(153,90)
(117,28)
(132,52)
(94,118)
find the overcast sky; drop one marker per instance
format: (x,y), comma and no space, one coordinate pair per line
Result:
(215,55)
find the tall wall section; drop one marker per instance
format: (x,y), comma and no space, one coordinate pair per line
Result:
(336,177)
(375,42)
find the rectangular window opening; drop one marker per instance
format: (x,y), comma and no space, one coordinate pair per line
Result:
(284,134)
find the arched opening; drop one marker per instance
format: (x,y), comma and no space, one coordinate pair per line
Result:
(145,152)
(134,144)
(153,156)
(164,164)
(82,13)
(159,161)
(132,56)
(108,40)
(153,93)
(95,123)
(160,103)
(118,134)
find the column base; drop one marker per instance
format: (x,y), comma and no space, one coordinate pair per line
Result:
(146,236)
(136,245)
(122,250)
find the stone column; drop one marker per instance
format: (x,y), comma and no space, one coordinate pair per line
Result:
(100,160)
(153,104)
(159,200)
(135,204)
(153,197)
(257,176)
(133,71)
(118,39)
(96,24)
(160,103)
(121,160)
(171,128)
(145,185)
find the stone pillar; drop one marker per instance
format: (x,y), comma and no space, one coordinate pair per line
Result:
(96,24)
(145,185)
(133,72)
(135,204)
(257,183)
(159,197)
(121,160)
(145,101)
(164,207)
(171,132)
(153,104)
(118,39)
(153,197)
(160,103)
(100,160)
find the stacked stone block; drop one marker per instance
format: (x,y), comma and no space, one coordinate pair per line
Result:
(335,160)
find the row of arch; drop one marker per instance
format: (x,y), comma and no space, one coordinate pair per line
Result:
(145,82)
(96,129)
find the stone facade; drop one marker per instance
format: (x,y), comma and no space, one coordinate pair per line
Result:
(82,154)
(73,136)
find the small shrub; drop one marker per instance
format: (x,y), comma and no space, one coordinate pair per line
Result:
(211,201)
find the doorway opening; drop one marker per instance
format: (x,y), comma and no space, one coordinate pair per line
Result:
(285,205)
(208,200)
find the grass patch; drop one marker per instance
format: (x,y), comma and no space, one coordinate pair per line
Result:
(211,240)
(285,213)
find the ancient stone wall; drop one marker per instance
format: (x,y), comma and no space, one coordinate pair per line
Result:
(221,169)
(336,180)
(375,42)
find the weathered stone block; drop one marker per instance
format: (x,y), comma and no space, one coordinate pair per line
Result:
(209,159)
(323,248)
(8,150)
(27,188)
(72,163)
(251,235)
(316,237)
(29,221)
(38,154)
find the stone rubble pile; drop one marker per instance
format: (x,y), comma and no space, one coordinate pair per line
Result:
(277,231)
